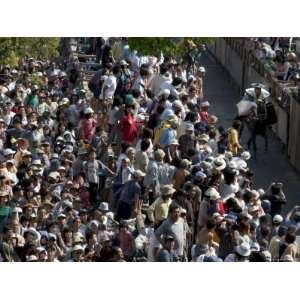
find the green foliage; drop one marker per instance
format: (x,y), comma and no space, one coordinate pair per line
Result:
(13,49)
(167,45)
(34,79)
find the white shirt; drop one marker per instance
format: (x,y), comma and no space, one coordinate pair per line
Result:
(110,84)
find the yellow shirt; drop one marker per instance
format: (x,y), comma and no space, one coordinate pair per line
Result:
(159,210)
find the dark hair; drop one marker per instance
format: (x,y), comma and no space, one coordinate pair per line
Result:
(118,101)
(145,143)
(147,133)
(163,69)
(136,93)
(290,238)
(191,116)
(116,70)
(236,124)
(173,207)
(124,147)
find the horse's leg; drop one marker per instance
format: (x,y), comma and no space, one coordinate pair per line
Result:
(249,142)
(266,142)
(254,145)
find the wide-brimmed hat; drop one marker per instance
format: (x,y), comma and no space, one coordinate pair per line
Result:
(3,193)
(203,138)
(219,164)
(185,163)
(243,249)
(205,104)
(212,120)
(245,155)
(77,248)
(212,194)
(103,206)
(173,142)
(201,69)
(167,189)
(33,232)
(159,154)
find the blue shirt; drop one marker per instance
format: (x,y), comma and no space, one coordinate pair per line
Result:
(129,190)
(167,136)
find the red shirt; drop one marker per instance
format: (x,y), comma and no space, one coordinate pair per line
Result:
(128,128)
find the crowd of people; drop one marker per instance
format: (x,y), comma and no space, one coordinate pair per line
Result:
(130,166)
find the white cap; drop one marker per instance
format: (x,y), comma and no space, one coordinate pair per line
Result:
(88,110)
(205,104)
(277,219)
(201,69)
(8,151)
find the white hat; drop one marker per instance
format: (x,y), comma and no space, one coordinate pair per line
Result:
(104,206)
(54,175)
(246,155)
(77,248)
(173,142)
(88,110)
(61,215)
(177,103)
(37,162)
(17,210)
(8,151)
(212,194)
(11,161)
(219,164)
(243,249)
(31,258)
(191,78)
(277,219)
(165,92)
(94,222)
(205,104)
(232,165)
(34,232)
(189,127)
(240,163)
(201,69)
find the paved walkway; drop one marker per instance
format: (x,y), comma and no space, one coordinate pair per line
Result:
(269,167)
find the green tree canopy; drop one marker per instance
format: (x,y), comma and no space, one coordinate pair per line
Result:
(167,45)
(13,49)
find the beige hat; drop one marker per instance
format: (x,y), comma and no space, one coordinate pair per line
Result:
(203,138)
(219,164)
(212,194)
(167,189)
(212,120)
(159,154)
